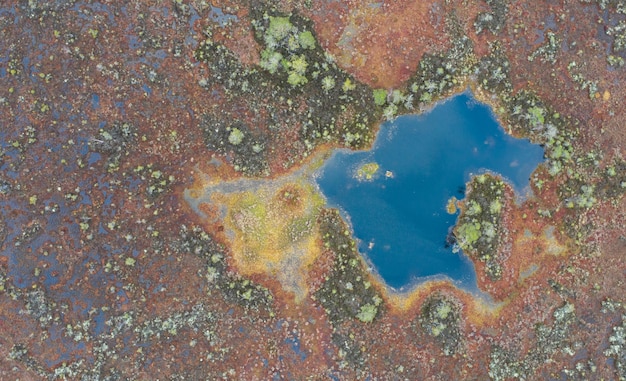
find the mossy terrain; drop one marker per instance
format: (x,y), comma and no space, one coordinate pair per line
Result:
(311,93)
(479,229)
(441,317)
(347,292)
(493,20)
(115,141)
(234,287)
(551,338)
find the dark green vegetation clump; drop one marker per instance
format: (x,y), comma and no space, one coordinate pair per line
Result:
(137,331)
(549,50)
(39,306)
(550,339)
(493,71)
(296,85)
(581,182)
(246,148)
(235,288)
(479,229)
(612,184)
(440,317)
(346,292)
(493,20)
(36,302)
(45,8)
(115,142)
(157,182)
(534,119)
(617,348)
(606,4)
(438,74)
(615,29)
(19,352)
(350,350)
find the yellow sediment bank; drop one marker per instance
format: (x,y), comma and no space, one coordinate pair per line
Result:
(271,226)
(477,309)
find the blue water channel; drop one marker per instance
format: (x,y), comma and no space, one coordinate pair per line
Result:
(399,216)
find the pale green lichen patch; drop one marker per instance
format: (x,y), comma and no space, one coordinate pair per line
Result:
(367,171)
(368,313)
(235,137)
(380,97)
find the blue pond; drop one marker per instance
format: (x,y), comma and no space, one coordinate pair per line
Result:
(399,215)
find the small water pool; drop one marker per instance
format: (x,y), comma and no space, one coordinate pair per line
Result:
(395,195)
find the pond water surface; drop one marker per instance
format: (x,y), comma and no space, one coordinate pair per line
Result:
(396,203)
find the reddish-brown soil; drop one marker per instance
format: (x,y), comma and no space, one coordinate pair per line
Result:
(99,279)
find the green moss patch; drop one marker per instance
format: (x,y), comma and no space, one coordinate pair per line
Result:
(478,229)
(346,292)
(440,317)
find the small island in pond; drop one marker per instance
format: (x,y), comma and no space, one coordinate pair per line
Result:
(367,171)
